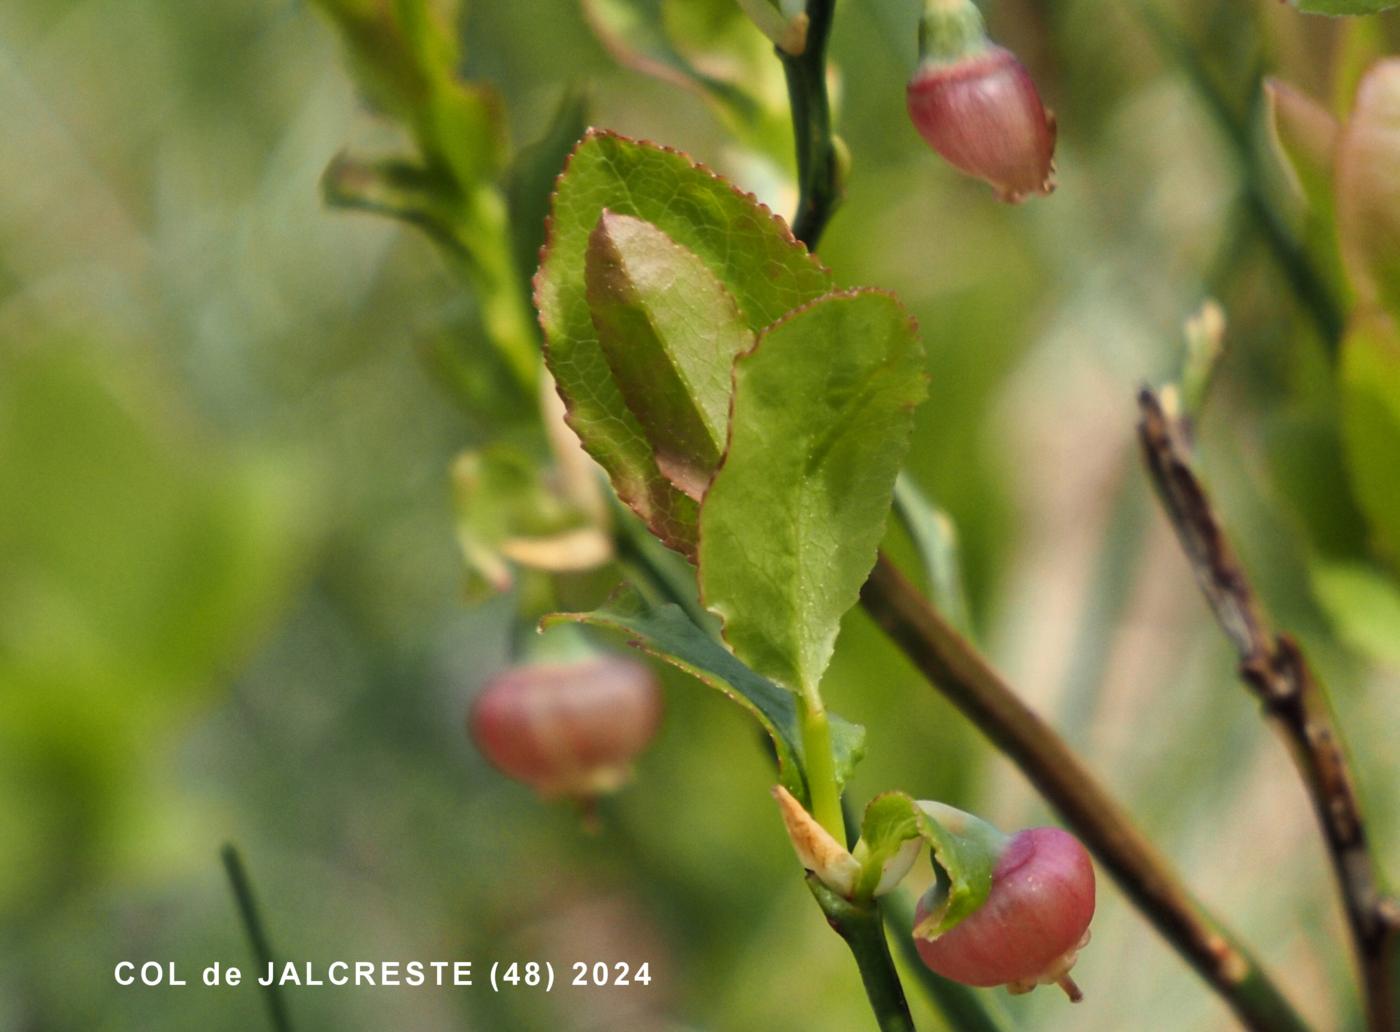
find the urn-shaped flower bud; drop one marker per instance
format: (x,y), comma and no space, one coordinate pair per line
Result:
(975,104)
(1033,923)
(567,728)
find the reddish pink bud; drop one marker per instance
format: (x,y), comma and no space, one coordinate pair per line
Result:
(567,729)
(1035,920)
(982,113)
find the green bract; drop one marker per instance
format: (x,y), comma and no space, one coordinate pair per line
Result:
(964,852)
(667,633)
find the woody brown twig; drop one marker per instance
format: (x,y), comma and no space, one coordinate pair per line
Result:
(1274,669)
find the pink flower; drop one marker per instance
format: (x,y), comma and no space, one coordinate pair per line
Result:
(567,729)
(982,113)
(1033,923)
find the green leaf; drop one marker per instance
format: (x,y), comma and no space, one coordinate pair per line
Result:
(822,412)
(1370,378)
(964,853)
(1368,188)
(670,333)
(668,634)
(530,179)
(1336,7)
(750,251)
(397,188)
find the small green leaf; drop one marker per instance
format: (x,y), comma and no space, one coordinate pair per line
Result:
(749,250)
(1368,188)
(1337,7)
(964,852)
(822,412)
(668,634)
(670,333)
(530,179)
(1370,378)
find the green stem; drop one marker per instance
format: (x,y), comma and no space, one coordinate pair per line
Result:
(257,936)
(863,930)
(818,178)
(503,302)
(820,766)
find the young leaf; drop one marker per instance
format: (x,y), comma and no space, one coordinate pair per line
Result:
(964,852)
(822,412)
(670,333)
(1305,138)
(1368,188)
(1370,379)
(668,634)
(749,250)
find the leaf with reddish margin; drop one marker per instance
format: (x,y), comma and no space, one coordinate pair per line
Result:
(747,248)
(670,333)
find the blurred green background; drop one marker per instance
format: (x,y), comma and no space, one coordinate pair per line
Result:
(231,605)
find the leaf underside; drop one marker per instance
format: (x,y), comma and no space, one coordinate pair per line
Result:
(668,634)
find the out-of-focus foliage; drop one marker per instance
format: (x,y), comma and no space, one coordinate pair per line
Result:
(231,594)
(1352,7)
